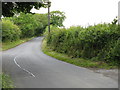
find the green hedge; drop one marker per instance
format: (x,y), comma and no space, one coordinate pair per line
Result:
(23,26)
(26,23)
(99,42)
(29,25)
(10,32)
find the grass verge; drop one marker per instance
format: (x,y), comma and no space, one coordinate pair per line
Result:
(8,45)
(76,61)
(6,81)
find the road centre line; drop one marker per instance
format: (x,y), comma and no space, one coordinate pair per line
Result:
(22,68)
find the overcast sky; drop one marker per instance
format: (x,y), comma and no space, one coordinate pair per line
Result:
(85,12)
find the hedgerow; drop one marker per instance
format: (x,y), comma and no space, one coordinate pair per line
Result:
(98,42)
(23,26)
(27,24)
(10,31)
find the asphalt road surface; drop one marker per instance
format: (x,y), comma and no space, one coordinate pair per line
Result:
(29,67)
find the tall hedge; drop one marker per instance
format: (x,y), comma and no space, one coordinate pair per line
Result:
(10,31)
(29,24)
(26,23)
(99,42)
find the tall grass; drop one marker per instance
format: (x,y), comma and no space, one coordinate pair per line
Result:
(6,82)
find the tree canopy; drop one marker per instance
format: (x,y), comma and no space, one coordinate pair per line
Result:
(57,18)
(10,8)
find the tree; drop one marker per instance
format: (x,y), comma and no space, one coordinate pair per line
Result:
(10,8)
(26,23)
(42,21)
(57,18)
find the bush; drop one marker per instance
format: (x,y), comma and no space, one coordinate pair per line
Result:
(99,42)
(10,32)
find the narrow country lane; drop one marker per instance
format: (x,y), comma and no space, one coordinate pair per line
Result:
(29,67)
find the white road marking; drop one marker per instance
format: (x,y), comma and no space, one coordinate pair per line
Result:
(23,68)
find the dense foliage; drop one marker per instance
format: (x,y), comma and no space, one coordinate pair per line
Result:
(42,22)
(10,31)
(99,42)
(57,18)
(26,25)
(23,26)
(11,8)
